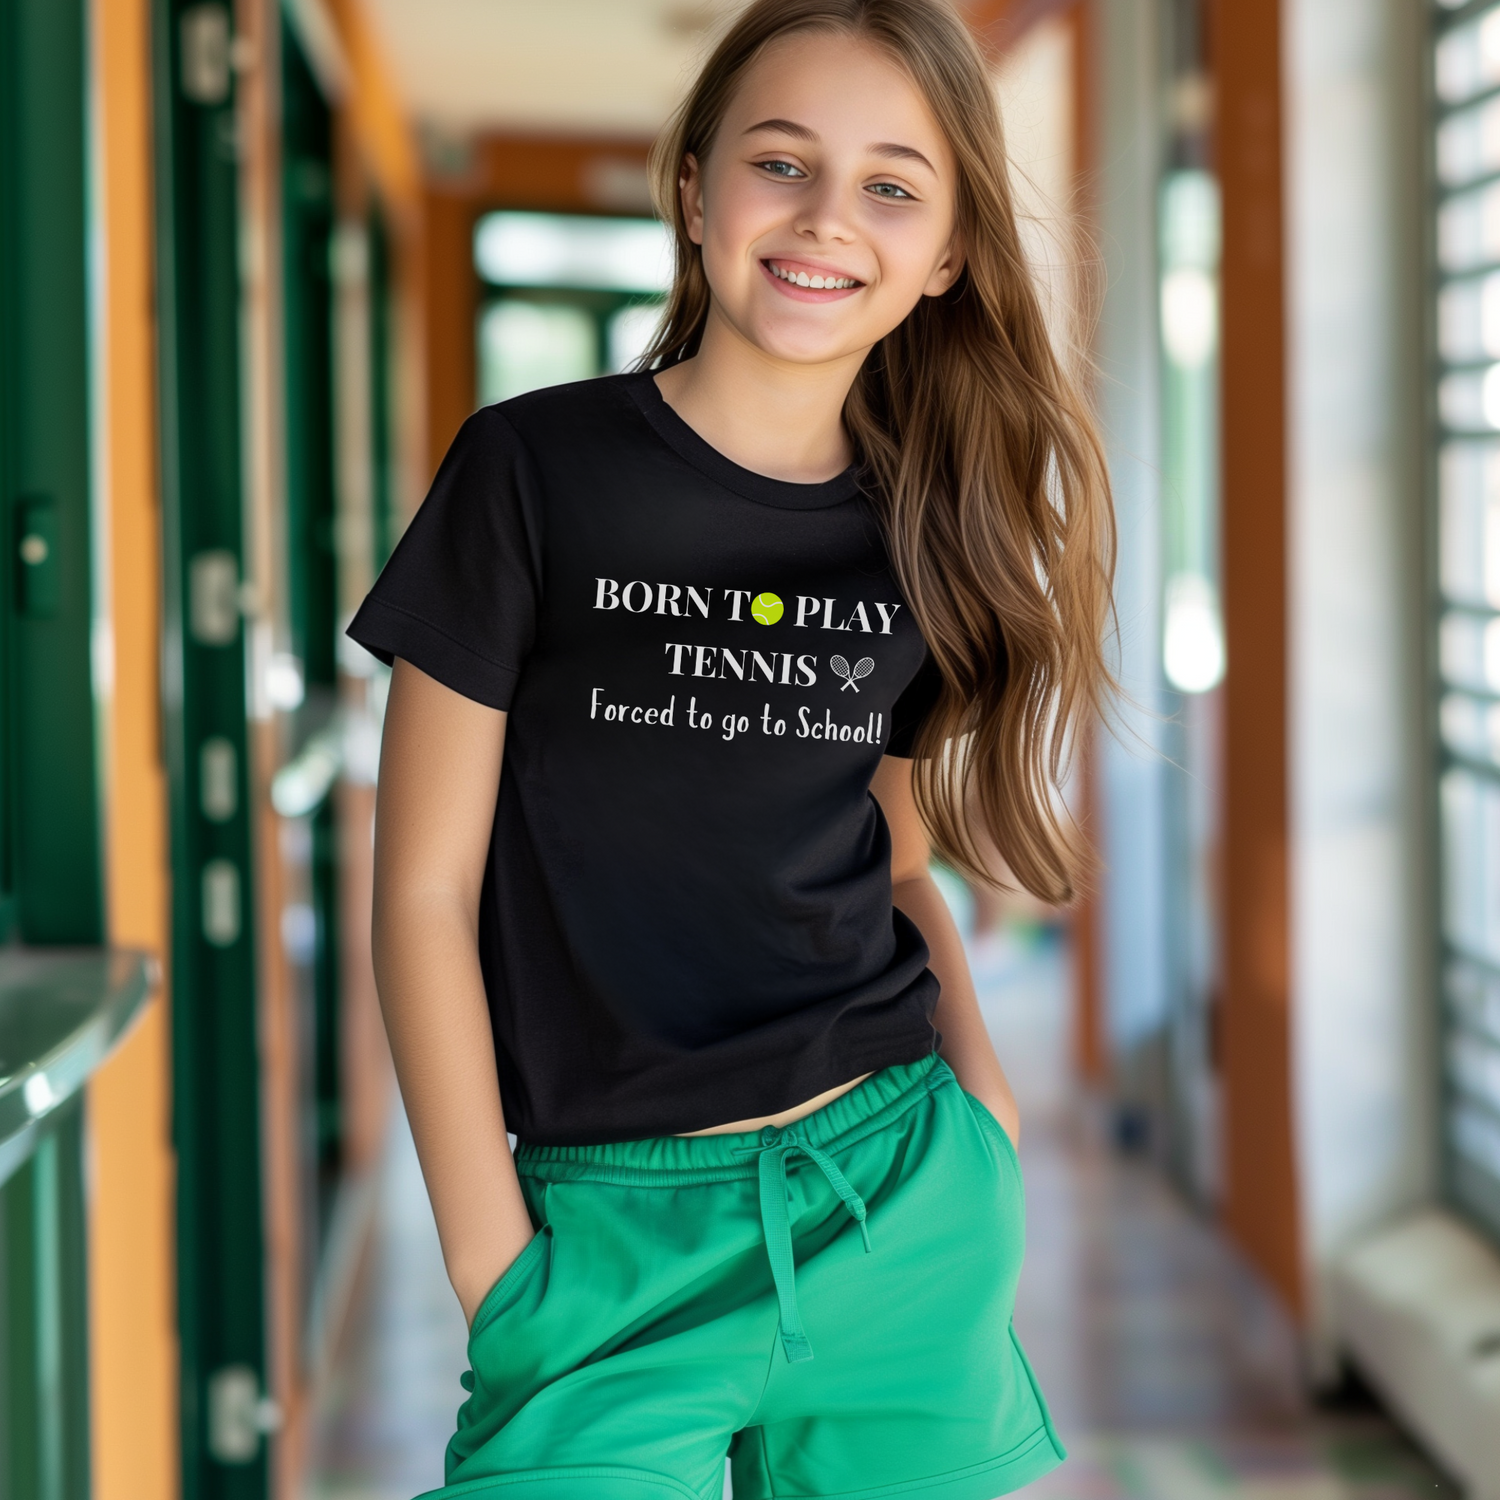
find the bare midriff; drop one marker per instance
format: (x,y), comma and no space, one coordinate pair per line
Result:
(786,1116)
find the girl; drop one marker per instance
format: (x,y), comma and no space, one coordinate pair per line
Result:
(692,668)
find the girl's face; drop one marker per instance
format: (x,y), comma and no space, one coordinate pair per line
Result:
(826,206)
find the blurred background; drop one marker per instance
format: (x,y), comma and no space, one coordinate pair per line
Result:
(257,263)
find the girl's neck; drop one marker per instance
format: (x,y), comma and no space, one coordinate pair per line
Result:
(773,417)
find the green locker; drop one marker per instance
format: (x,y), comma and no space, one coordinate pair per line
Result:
(50,862)
(205,681)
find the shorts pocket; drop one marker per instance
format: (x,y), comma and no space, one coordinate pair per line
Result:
(507,1291)
(995,1132)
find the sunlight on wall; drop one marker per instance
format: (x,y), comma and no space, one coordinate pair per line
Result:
(1035,85)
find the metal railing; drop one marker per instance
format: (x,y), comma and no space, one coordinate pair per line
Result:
(61,1013)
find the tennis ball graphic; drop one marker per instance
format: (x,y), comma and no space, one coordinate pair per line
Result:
(766,609)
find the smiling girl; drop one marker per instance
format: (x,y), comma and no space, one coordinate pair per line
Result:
(693,669)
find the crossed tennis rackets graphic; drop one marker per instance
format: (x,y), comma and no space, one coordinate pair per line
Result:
(862,668)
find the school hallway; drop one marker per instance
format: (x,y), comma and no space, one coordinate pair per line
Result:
(263,259)
(1171,1371)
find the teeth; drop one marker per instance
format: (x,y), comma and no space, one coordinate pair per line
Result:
(816,283)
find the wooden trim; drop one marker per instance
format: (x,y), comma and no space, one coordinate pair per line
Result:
(410,361)
(375,112)
(1085,927)
(557,174)
(278,1033)
(1262,1206)
(133,1365)
(449,301)
(1090,1030)
(1083,21)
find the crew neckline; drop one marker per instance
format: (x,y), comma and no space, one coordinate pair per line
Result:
(784,494)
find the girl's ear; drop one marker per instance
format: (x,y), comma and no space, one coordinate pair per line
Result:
(946,272)
(690,187)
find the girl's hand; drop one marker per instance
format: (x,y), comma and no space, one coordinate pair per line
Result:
(474,1289)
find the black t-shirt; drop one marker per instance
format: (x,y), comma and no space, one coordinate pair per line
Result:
(686,916)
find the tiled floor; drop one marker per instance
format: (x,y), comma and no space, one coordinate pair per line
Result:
(1172,1375)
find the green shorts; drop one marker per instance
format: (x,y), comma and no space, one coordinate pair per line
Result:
(829,1304)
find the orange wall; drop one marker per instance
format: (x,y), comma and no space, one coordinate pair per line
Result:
(1262,1206)
(132,1309)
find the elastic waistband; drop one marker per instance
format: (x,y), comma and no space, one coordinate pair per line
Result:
(865,1109)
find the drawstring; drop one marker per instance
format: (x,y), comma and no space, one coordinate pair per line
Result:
(775,1147)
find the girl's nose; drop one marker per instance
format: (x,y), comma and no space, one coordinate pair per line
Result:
(825,215)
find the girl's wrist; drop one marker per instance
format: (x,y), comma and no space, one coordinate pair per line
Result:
(474,1281)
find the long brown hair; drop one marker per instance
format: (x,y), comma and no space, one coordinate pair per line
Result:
(979,447)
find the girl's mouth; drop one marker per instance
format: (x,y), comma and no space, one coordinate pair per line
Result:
(795,278)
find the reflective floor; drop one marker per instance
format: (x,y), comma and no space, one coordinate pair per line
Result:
(1172,1375)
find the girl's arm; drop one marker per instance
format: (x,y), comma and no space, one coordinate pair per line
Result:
(439,775)
(966,1044)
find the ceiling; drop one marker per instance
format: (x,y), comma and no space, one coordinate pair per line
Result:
(559,67)
(569,67)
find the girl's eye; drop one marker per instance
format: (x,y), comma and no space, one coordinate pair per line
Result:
(888,190)
(780,168)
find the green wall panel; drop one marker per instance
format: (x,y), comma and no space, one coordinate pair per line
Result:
(215,1074)
(383,497)
(50,868)
(307,286)
(312,568)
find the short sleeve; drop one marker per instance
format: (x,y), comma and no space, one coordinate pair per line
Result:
(459,597)
(912,708)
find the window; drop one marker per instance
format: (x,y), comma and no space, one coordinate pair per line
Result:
(573,296)
(1467,323)
(527,344)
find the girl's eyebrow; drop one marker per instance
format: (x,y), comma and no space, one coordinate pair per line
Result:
(889,149)
(785,127)
(902,153)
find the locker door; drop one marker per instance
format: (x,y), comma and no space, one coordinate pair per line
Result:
(51,889)
(312,597)
(215,1078)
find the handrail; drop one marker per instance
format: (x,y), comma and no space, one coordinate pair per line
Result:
(348,746)
(61,1012)
(300,787)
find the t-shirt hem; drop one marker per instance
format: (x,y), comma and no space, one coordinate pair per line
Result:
(871,1059)
(387,631)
